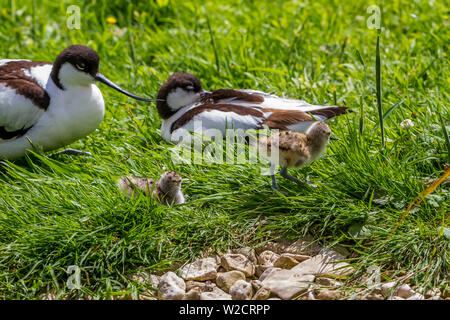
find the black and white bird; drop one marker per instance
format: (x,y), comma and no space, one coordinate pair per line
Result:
(184,106)
(50,105)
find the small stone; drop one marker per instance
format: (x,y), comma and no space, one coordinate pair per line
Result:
(216,294)
(298,257)
(171,287)
(268,271)
(324,264)
(416,296)
(248,252)
(48,296)
(285,262)
(434,298)
(304,246)
(237,261)
(432,293)
(146,297)
(395,298)
(145,278)
(259,269)
(227,279)
(256,284)
(193,294)
(202,286)
(148,280)
(328,282)
(287,284)
(326,294)
(267,258)
(404,291)
(387,288)
(200,270)
(374,296)
(263,293)
(311,295)
(241,290)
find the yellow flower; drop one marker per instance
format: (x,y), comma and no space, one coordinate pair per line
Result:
(111,20)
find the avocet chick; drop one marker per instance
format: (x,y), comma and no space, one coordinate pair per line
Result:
(167,189)
(296,149)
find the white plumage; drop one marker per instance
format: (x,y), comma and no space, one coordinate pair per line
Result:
(51,105)
(185,107)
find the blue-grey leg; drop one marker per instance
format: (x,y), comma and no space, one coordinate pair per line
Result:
(274,180)
(284,174)
(71,151)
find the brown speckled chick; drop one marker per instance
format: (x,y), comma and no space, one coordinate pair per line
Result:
(296,149)
(166,191)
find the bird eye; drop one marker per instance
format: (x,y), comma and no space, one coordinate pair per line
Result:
(80,66)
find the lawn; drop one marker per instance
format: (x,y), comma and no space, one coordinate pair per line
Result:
(58,211)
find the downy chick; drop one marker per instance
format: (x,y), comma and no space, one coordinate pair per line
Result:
(296,149)
(167,189)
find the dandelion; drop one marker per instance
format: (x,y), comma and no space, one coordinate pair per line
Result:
(111,20)
(406,124)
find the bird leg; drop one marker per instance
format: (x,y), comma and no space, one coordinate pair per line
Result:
(284,174)
(274,181)
(71,151)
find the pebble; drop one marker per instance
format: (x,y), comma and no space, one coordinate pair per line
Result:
(193,294)
(237,261)
(395,298)
(328,282)
(241,290)
(404,291)
(326,294)
(263,293)
(387,288)
(416,296)
(268,271)
(285,262)
(287,284)
(200,270)
(203,286)
(248,252)
(216,294)
(171,287)
(267,258)
(226,279)
(374,296)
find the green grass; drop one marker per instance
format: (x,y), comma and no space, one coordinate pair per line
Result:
(65,210)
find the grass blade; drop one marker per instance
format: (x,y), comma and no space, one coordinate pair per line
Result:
(423,195)
(447,140)
(213,44)
(378,80)
(390,110)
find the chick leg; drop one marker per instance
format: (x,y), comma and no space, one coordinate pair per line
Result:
(284,174)
(274,180)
